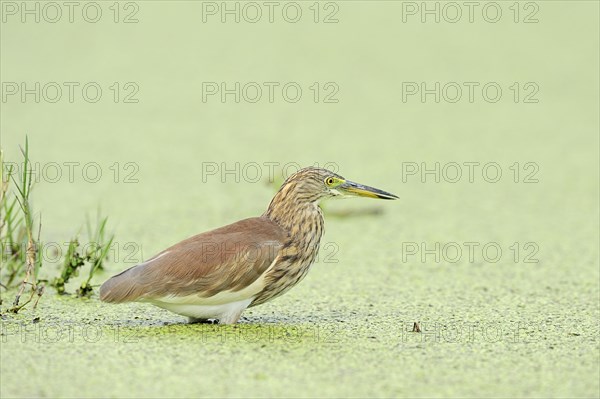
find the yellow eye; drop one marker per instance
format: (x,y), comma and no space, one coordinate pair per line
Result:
(329,181)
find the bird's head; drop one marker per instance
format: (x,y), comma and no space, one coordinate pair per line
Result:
(314,184)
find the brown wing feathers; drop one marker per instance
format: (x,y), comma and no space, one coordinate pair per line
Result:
(228,258)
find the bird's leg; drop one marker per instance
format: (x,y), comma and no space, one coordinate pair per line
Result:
(231,318)
(196,320)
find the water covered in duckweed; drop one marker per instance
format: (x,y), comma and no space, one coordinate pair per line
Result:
(492,247)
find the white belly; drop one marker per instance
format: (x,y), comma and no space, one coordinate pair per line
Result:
(226,313)
(226,306)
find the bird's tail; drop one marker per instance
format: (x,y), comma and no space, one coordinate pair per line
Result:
(121,287)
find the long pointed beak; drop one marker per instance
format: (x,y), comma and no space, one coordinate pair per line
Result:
(355,189)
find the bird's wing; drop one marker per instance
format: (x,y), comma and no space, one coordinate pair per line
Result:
(226,259)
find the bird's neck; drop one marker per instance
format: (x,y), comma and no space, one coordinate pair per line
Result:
(302,219)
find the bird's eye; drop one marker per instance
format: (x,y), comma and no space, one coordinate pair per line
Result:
(329,181)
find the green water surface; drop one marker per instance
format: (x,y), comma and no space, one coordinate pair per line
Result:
(520,323)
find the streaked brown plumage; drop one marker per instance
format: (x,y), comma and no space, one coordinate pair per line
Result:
(218,274)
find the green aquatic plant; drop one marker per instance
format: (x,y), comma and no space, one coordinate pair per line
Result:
(20,243)
(17,232)
(95,253)
(72,263)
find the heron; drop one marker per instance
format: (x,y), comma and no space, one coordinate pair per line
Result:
(216,275)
